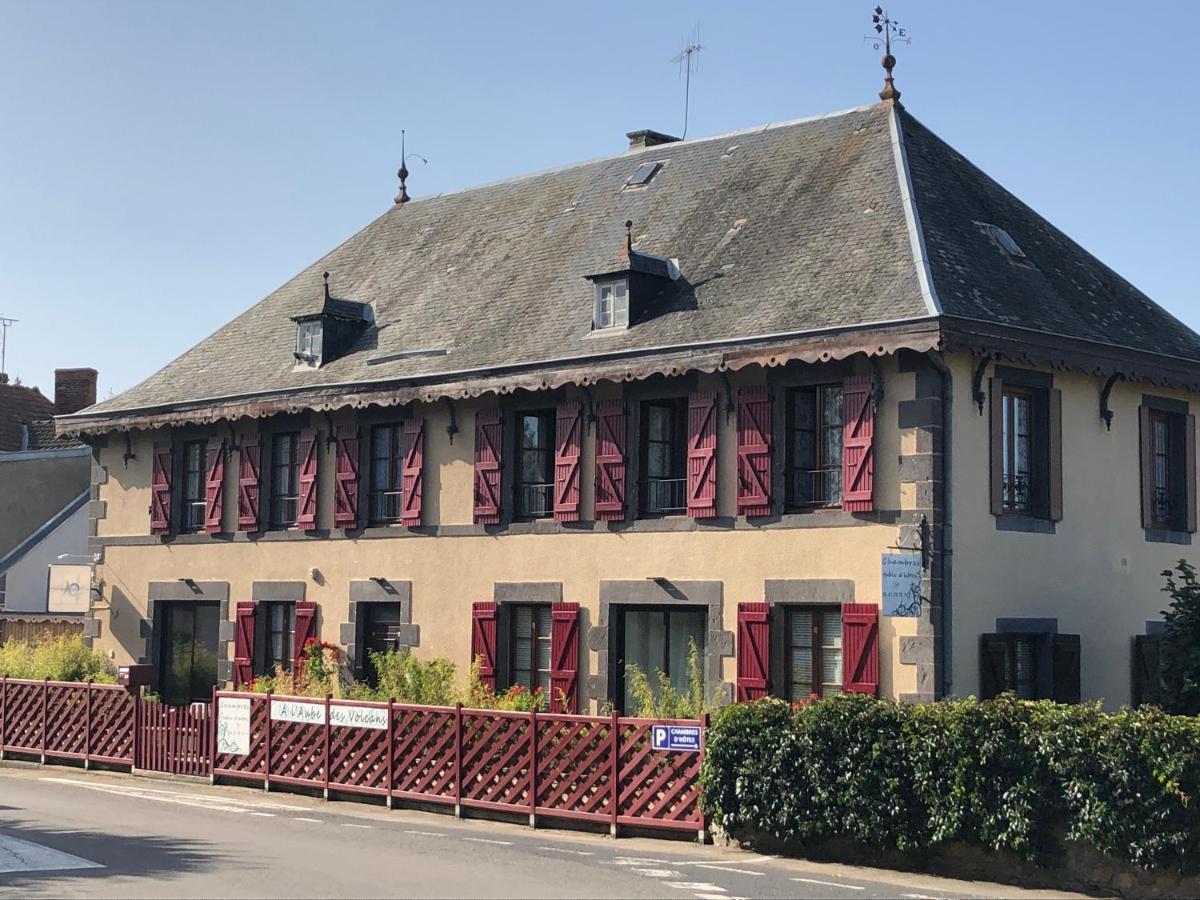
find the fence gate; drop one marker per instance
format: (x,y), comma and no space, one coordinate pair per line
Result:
(173,739)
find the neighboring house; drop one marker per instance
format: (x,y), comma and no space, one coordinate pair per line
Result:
(510,426)
(44,487)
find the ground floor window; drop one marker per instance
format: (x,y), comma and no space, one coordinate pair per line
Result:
(188,652)
(380,630)
(657,639)
(529,647)
(1031,665)
(814,652)
(276,637)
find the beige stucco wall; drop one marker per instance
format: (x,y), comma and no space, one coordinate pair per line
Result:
(1098,574)
(450,572)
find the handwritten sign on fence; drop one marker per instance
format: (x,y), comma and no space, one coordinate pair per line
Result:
(297,711)
(359,717)
(902,584)
(233,725)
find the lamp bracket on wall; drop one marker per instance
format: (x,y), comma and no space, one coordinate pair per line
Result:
(977,382)
(730,406)
(876,382)
(1105,413)
(451,429)
(129,454)
(920,540)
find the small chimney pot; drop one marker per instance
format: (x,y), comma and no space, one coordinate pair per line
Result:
(647,137)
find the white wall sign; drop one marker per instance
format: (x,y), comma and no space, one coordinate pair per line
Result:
(68,588)
(359,717)
(233,725)
(298,711)
(902,584)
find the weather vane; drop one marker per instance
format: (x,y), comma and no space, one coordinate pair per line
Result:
(887,28)
(685,59)
(402,174)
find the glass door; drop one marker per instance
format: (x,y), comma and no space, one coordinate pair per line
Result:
(188,664)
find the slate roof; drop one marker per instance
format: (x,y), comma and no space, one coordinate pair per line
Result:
(20,404)
(805,226)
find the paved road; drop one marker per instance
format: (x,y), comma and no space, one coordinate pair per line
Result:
(65,832)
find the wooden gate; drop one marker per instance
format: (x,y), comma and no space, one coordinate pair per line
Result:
(173,739)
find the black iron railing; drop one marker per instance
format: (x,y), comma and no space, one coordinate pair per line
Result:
(663,496)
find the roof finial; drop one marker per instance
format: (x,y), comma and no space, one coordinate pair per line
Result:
(886,28)
(326,277)
(628,237)
(402,174)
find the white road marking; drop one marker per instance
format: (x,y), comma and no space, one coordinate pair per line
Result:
(355,825)
(427,833)
(919,896)
(727,869)
(303,819)
(563,850)
(639,861)
(489,841)
(703,886)
(149,793)
(264,815)
(836,884)
(658,873)
(17,855)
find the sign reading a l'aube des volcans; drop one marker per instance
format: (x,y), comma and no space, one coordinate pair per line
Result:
(233,725)
(675,737)
(901,584)
(307,712)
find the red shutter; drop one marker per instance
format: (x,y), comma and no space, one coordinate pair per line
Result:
(412,472)
(566,462)
(753,650)
(345,498)
(754,451)
(564,657)
(702,455)
(860,648)
(306,516)
(483,642)
(610,461)
(488,454)
(160,491)
(306,628)
(214,485)
(248,485)
(243,645)
(858,454)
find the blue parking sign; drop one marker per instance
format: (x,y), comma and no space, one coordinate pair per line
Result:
(676,737)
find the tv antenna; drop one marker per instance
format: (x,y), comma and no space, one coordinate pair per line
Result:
(688,59)
(887,28)
(4,323)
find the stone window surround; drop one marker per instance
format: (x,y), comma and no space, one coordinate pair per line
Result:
(788,592)
(507,593)
(659,591)
(378,590)
(185,591)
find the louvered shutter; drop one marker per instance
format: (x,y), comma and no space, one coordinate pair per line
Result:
(860,648)
(993,666)
(610,461)
(243,645)
(1054,449)
(567,440)
(1147,670)
(483,642)
(214,484)
(754,451)
(996,447)
(306,629)
(702,455)
(1065,661)
(160,490)
(412,472)
(306,515)
(858,450)
(1146,460)
(753,650)
(1189,475)
(488,456)
(346,481)
(250,469)
(564,657)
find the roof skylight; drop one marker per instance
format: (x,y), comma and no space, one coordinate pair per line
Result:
(642,176)
(1002,239)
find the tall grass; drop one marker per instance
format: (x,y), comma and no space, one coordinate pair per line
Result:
(63,658)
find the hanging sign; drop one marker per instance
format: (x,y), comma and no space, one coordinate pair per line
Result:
(233,725)
(902,584)
(676,737)
(359,717)
(298,711)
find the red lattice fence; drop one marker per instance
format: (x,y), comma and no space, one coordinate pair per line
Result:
(67,720)
(174,739)
(592,768)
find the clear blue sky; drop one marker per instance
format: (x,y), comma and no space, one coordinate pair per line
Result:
(163,166)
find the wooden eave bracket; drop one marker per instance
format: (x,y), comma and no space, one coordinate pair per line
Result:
(1105,412)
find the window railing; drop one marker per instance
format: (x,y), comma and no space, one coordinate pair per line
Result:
(817,487)
(535,500)
(1017,493)
(385,506)
(192,515)
(1163,507)
(284,511)
(663,496)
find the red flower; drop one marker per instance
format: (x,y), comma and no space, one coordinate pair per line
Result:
(309,642)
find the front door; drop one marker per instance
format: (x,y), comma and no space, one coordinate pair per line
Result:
(188,652)
(381,634)
(657,639)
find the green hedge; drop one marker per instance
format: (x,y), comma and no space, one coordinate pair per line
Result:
(1002,774)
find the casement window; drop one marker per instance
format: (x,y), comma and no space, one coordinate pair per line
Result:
(535,464)
(529,636)
(1168,466)
(656,639)
(612,304)
(309,341)
(814,652)
(1031,665)
(387,473)
(187,663)
(1148,686)
(285,479)
(276,637)
(815,429)
(1026,446)
(664,456)
(191,499)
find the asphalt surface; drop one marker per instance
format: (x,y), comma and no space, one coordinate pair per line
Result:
(65,832)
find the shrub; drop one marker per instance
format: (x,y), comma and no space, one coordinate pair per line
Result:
(63,658)
(1181,642)
(406,679)
(655,697)
(1001,774)
(479,696)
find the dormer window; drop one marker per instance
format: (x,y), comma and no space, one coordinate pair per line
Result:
(612,304)
(327,329)
(309,334)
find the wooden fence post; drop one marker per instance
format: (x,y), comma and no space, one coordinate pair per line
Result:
(45,708)
(87,729)
(3,715)
(702,837)
(267,774)
(458,766)
(614,775)
(533,726)
(328,729)
(391,751)
(212,738)
(137,731)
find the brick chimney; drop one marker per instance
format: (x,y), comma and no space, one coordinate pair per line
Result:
(648,138)
(74,389)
